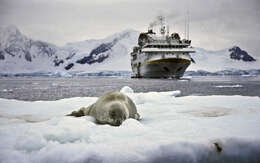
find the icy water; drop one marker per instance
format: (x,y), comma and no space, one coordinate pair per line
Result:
(33,89)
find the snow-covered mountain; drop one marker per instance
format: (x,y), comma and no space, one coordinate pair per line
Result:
(226,59)
(20,54)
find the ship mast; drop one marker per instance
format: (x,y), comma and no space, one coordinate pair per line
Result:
(162,23)
(187,23)
(185,26)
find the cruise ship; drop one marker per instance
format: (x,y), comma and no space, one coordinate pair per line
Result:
(161,55)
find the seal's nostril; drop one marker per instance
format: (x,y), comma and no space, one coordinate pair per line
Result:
(118,122)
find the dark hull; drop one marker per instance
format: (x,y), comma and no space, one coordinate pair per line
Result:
(164,68)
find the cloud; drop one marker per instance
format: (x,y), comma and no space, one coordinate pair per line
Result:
(214,24)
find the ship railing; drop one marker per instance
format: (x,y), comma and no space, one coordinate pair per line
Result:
(177,50)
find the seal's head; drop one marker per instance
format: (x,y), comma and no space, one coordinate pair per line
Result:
(117,114)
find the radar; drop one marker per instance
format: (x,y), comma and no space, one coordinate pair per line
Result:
(176,36)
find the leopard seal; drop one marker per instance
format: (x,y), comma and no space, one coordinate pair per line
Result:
(112,108)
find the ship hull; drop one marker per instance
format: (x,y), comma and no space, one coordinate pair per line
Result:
(163,68)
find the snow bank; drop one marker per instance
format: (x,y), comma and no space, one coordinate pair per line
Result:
(172,129)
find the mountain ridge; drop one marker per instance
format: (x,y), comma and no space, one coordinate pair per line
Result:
(20,54)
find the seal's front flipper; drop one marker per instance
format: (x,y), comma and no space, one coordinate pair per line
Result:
(79,113)
(82,111)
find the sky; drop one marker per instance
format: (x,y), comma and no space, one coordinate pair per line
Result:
(214,25)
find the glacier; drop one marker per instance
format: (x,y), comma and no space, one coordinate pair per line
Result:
(171,129)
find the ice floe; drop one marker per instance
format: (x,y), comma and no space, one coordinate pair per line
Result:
(172,129)
(229,86)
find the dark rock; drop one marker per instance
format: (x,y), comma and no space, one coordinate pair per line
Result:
(218,147)
(2,56)
(95,52)
(28,56)
(12,50)
(69,66)
(71,55)
(238,54)
(57,61)
(44,48)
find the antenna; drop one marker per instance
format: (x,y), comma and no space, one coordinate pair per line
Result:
(188,23)
(168,31)
(161,20)
(185,26)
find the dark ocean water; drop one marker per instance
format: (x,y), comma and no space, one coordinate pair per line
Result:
(40,88)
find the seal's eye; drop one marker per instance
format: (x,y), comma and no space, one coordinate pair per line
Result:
(124,117)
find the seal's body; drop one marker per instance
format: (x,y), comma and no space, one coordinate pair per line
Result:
(112,108)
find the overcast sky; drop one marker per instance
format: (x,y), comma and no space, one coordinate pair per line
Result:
(214,24)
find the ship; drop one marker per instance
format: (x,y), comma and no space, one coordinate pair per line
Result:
(161,55)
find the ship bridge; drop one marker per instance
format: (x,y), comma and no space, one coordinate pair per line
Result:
(151,40)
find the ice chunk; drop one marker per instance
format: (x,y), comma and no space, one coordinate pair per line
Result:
(229,86)
(126,89)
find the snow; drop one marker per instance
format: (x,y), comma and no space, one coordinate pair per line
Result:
(171,129)
(219,60)
(229,86)
(69,53)
(7,90)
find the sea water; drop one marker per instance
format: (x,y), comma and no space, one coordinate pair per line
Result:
(44,88)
